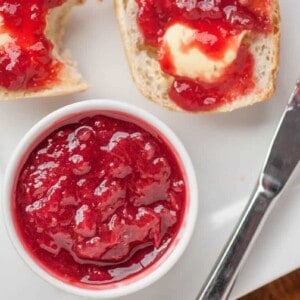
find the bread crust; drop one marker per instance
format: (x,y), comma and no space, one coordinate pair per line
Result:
(128,31)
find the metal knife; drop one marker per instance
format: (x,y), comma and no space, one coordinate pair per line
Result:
(281,161)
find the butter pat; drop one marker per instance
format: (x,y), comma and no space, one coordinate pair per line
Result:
(4,37)
(189,60)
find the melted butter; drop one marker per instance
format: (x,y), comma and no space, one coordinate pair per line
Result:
(181,49)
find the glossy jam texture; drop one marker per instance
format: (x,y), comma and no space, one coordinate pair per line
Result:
(25,52)
(219,20)
(99,201)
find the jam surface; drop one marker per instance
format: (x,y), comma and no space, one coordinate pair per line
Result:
(215,22)
(99,201)
(26,54)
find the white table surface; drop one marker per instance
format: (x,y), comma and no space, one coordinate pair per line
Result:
(227,151)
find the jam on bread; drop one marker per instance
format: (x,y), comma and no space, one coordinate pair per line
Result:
(33,62)
(202,55)
(203,46)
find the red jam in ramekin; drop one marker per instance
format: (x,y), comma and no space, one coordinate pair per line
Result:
(99,201)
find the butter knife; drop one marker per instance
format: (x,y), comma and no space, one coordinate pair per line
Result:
(281,161)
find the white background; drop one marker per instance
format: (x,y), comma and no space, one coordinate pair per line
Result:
(227,151)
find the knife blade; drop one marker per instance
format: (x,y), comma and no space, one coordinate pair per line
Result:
(282,159)
(284,153)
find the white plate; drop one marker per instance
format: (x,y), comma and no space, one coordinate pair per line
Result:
(227,151)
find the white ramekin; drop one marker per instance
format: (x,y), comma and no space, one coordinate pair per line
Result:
(69,114)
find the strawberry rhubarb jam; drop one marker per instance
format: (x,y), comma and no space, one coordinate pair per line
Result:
(203,45)
(99,201)
(26,60)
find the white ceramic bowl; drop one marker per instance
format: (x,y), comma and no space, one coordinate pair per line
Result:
(69,114)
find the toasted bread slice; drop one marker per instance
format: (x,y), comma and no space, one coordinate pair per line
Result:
(154,84)
(69,78)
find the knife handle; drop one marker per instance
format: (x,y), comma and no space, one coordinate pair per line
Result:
(222,278)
